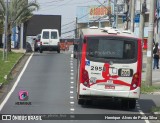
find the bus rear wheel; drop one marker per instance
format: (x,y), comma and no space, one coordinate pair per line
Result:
(81,101)
(128,103)
(132,104)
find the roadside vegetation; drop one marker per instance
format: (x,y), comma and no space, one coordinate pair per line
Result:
(6,66)
(19,11)
(149,89)
(155,109)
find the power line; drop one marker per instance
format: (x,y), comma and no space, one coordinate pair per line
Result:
(44,9)
(101,4)
(79,18)
(54,1)
(67,4)
(83,26)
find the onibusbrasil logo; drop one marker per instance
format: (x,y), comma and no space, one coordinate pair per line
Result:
(23,95)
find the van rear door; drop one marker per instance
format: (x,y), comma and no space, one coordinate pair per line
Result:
(45,38)
(54,37)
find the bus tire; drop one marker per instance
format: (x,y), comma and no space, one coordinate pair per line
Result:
(41,51)
(88,102)
(132,104)
(81,101)
(128,103)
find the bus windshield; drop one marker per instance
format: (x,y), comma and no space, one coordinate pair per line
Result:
(111,48)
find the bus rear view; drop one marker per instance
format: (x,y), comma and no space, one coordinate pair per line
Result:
(109,66)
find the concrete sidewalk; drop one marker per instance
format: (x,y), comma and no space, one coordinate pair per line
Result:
(155,72)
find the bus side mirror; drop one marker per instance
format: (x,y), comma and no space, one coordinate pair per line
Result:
(84,41)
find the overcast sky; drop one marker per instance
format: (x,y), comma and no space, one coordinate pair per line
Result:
(65,8)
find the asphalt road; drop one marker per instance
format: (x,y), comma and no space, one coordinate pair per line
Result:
(50,80)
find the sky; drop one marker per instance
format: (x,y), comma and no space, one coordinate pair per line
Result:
(65,8)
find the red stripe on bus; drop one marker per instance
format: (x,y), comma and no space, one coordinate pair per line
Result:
(106,76)
(139,64)
(83,58)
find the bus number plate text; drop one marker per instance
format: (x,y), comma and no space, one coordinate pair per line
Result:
(125,72)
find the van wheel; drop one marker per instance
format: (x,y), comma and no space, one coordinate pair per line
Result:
(58,51)
(41,51)
(81,101)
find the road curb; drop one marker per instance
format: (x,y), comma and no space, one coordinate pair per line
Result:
(17,62)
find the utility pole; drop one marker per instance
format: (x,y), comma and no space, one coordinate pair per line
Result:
(142,16)
(76,30)
(22,34)
(150,43)
(5,33)
(116,13)
(6,26)
(132,14)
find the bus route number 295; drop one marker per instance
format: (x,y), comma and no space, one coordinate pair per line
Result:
(96,68)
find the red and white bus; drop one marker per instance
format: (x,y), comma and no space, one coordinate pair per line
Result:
(109,65)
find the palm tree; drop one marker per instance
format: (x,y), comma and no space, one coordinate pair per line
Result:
(19,11)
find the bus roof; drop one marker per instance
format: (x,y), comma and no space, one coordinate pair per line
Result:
(49,29)
(107,32)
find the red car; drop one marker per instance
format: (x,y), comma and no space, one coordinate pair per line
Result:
(37,42)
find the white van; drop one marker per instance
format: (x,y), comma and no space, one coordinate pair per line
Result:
(50,40)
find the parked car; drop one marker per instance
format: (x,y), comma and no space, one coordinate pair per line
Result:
(37,42)
(50,40)
(30,44)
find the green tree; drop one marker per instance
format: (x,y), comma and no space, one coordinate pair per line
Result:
(19,11)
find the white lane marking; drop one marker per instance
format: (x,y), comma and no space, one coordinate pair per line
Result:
(71,64)
(141,112)
(72,74)
(138,104)
(15,84)
(71,102)
(72,70)
(72,51)
(72,109)
(138,107)
(71,97)
(71,92)
(71,55)
(72,82)
(72,78)
(71,87)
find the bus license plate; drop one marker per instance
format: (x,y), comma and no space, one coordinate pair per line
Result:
(109,87)
(125,72)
